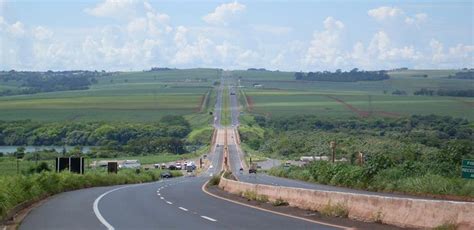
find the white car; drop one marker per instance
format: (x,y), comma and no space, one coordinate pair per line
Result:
(130,164)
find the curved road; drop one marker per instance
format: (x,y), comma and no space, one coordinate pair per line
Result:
(178,203)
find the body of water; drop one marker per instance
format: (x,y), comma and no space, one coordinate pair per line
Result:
(29,149)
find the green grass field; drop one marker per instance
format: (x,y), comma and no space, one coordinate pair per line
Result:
(134,96)
(282,96)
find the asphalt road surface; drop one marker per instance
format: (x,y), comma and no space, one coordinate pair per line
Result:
(178,203)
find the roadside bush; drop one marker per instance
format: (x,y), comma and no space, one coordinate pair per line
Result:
(337,210)
(436,184)
(279,202)
(215,180)
(15,190)
(250,195)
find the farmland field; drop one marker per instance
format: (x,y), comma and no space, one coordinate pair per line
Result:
(137,96)
(281,95)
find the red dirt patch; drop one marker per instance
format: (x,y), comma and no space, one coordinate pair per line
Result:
(364,113)
(250,103)
(468,103)
(200,107)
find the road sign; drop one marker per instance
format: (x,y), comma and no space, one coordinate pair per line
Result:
(467,169)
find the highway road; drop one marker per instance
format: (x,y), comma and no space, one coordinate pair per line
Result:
(178,203)
(236,158)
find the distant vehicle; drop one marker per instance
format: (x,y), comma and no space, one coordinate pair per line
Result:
(232,93)
(157,166)
(130,164)
(163,166)
(191,164)
(178,166)
(189,168)
(253,168)
(166,174)
(172,167)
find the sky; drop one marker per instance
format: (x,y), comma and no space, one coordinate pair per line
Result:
(127,35)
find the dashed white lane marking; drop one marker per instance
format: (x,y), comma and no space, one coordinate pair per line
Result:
(209,218)
(183,209)
(169,202)
(162,198)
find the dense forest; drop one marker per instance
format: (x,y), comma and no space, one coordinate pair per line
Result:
(445,92)
(136,138)
(36,82)
(339,76)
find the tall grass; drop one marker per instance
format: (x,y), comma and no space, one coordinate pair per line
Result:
(15,190)
(387,180)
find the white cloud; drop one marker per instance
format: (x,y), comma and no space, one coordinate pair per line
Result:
(324,49)
(385,12)
(41,33)
(417,19)
(114,9)
(223,13)
(332,24)
(459,55)
(17,29)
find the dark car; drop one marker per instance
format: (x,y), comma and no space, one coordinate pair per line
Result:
(166,174)
(172,167)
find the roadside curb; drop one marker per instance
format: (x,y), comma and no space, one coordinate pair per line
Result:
(18,214)
(204,186)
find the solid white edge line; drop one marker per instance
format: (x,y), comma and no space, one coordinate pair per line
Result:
(184,209)
(96,208)
(209,218)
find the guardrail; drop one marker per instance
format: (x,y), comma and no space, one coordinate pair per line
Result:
(402,212)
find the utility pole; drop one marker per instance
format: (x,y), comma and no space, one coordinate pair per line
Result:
(332,145)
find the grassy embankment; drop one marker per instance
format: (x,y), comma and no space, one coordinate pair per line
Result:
(15,190)
(388,180)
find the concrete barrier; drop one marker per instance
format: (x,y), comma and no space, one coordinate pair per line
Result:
(402,212)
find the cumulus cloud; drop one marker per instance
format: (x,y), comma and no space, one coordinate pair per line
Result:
(460,54)
(114,9)
(417,19)
(42,33)
(223,13)
(324,48)
(385,12)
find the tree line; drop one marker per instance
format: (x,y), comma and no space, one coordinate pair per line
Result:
(339,76)
(167,135)
(445,92)
(49,81)
(467,75)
